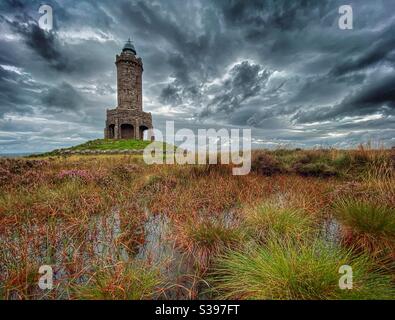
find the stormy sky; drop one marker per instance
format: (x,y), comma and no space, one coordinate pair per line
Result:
(282,68)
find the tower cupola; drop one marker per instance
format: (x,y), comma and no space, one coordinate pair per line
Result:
(129,47)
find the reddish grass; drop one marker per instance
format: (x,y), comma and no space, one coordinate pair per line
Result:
(56,201)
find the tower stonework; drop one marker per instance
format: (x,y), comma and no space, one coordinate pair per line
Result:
(128,120)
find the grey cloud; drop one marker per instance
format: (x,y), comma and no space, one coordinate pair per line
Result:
(62,97)
(314,71)
(13,5)
(375,53)
(372,98)
(283,15)
(17,92)
(246,80)
(44,43)
(170,95)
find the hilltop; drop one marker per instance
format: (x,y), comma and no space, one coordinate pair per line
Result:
(103,146)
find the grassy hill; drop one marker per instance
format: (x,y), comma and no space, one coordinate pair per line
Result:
(110,144)
(102,145)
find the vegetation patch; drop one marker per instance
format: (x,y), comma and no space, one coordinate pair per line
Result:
(315,170)
(121,282)
(368,225)
(87,215)
(206,238)
(265,221)
(289,270)
(103,146)
(111,144)
(265,164)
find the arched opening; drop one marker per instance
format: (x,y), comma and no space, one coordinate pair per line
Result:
(111,131)
(127,131)
(143,133)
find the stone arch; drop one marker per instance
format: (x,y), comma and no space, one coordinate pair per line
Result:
(127,131)
(142,129)
(111,131)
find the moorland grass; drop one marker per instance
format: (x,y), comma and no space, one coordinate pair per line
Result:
(58,199)
(300,271)
(206,238)
(267,220)
(70,199)
(367,225)
(124,281)
(323,162)
(18,282)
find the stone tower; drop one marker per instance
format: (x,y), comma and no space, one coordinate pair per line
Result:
(128,120)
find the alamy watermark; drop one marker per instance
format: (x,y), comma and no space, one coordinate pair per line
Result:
(46,280)
(209,146)
(345,281)
(45,21)
(346,18)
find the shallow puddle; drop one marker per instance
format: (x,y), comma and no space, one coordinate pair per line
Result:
(160,250)
(75,254)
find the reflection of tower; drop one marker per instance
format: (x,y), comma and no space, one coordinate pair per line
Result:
(129,77)
(128,121)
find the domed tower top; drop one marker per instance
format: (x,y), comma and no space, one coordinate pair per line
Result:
(129,47)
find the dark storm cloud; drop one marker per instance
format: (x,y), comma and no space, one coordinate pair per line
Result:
(17,93)
(190,54)
(283,15)
(170,95)
(10,5)
(377,52)
(375,95)
(280,67)
(372,98)
(42,42)
(245,81)
(62,97)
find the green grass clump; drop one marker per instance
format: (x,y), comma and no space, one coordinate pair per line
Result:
(121,282)
(206,239)
(296,271)
(366,224)
(211,235)
(343,161)
(267,220)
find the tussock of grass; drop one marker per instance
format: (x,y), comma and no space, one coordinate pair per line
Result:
(210,234)
(367,225)
(268,220)
(121,282)
(203,239)
(286,270)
